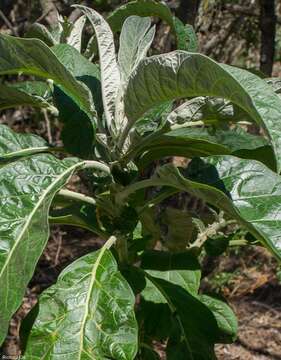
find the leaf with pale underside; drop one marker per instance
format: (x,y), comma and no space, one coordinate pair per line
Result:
(110,74)
(181,74)
(87,314)
(75,37)
(27,190)
(150,8)
(135,40)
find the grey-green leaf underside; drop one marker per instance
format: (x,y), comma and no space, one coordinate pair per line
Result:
(180,74)
(87,314)
(109,69)
(135,40)
(75,37)
(27,189)
(150,8)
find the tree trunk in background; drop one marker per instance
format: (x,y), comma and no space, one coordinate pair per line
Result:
(187,11)
(268,30)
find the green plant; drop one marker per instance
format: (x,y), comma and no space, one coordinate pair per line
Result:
(120,118)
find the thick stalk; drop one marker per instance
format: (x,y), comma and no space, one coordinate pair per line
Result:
(91,164)
(72,195)
(121,247)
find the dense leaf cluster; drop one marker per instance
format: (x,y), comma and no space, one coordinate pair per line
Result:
(122,120)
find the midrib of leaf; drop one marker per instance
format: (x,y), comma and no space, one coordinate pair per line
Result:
(33,212)
(30,71)
(25,151)
(105,247)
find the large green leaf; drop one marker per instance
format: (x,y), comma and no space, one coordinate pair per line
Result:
(11,97)
(245,189)
(87,314)
(77,124)
(190,281)
(14,145)
(109,69)
(192,142)
(151,8)
(83,70)
(197,330)
(135,40)
(180,74)
(225,317)
(33,57)
(187,279)
(27,190)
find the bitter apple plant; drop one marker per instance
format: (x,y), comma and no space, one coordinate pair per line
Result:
(122,117)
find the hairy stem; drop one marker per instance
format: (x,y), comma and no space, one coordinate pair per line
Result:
(72,195)
(210,231)
(122,248)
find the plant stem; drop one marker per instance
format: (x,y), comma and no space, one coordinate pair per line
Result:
(238,242)
(188,124)
(122,248)
(72,195)
(211,230)
(91,164)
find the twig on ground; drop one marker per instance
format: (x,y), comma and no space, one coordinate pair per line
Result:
(8,23)
(48,126)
